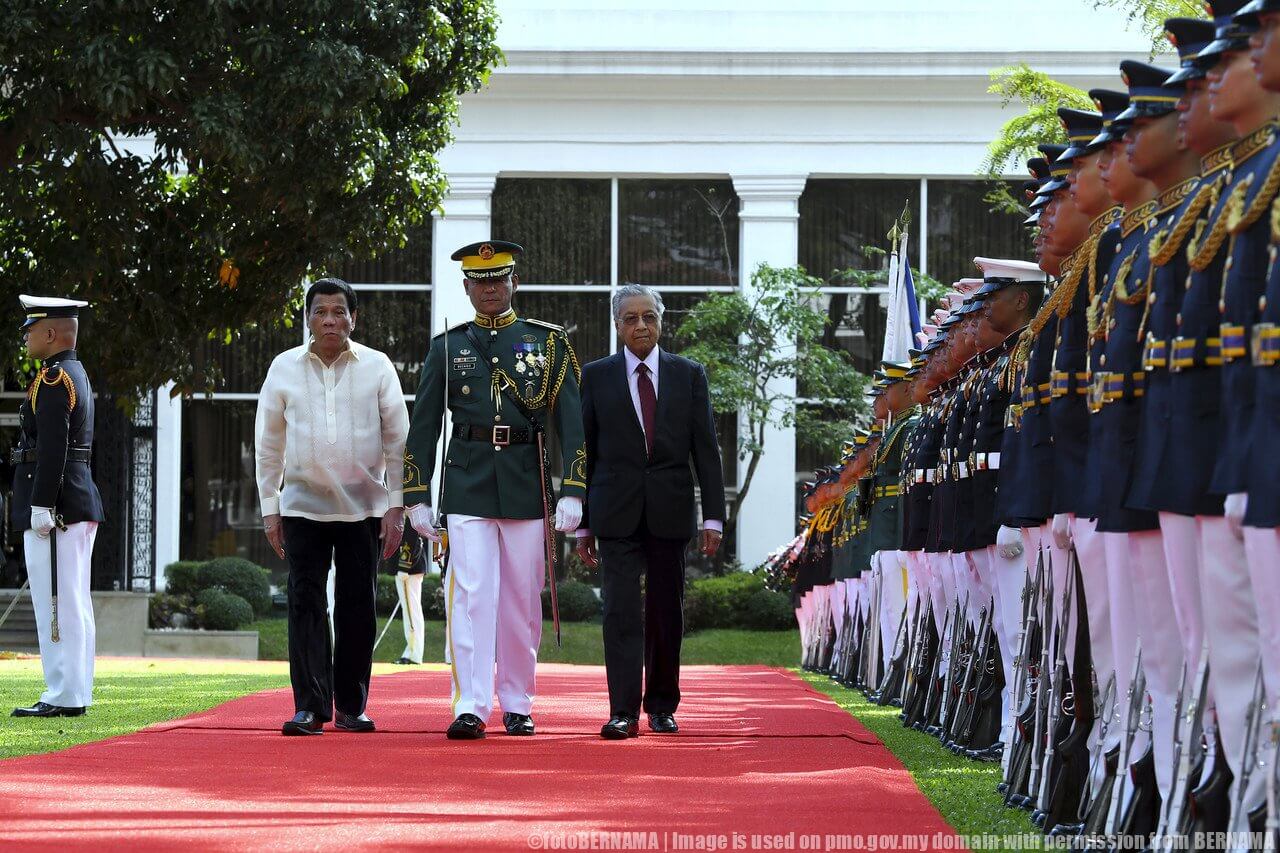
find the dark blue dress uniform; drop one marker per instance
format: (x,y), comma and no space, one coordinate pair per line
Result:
(1069,379)
(1117,378)
(1024,475)
(888,506)
(51,462)
(1242,220)
(919,464)
(1182,395)
(1263,509)
(985,423)
(962,526)
(942,508)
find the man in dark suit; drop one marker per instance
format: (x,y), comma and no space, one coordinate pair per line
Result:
(647,416)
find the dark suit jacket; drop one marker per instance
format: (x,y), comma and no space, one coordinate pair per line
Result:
(623,485)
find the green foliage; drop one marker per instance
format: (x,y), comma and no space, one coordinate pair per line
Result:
(578,602)
(287,137)
(386,597)
(735,601)
(774,331)
(182,577)
(223,611)
(766,610)
(163,607)
(1149,16)
(432,597)
(239,577)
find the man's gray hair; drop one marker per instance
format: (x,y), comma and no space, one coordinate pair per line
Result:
(627,291)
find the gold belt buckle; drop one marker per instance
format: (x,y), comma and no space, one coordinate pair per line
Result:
(1098,390)
(1264,354)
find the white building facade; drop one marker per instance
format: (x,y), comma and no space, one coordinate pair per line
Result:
(678,146)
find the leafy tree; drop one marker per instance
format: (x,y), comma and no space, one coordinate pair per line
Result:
(1042,96)
(736,336)
(184,165)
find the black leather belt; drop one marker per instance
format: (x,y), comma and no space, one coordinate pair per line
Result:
(499,436)
(74,454)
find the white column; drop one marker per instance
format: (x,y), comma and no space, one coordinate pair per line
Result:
(769,230)
(168,518)
(464,218)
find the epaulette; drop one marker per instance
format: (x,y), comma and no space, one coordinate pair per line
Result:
(454,328)
(1167,242)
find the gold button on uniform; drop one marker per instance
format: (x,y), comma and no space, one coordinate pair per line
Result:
(494,359)
(497,419)
(496,448)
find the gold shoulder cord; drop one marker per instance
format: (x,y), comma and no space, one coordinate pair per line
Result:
(547,393)
(42,378)
(1166,243)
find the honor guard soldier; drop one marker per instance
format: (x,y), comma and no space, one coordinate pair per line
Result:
(505,379)
(1239,226)
(1262,517)
(57,505)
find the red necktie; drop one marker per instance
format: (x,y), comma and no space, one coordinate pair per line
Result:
(648,403)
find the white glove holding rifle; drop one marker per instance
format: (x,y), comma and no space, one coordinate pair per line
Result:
(423,519)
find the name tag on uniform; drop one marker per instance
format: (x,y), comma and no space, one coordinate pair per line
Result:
(464,362)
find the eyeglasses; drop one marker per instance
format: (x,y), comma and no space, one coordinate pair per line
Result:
(650,318)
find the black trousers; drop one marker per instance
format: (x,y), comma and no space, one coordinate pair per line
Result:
(326,675)
(642,637)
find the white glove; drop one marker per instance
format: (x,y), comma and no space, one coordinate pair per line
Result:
(423,519)
(568,514)
(1061,529)
(42,521)
(1009,543)
(1234,509)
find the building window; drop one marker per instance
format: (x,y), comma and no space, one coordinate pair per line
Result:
(838,217)
(397,322)
(963,225)
(562,224)
(681,233)
(410,264)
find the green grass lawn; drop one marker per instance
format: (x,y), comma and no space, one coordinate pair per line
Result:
(964,791)
(583,643)
(128,695)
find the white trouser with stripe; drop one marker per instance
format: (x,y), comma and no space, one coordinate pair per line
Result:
(409,587)
(68,663)
(493,598)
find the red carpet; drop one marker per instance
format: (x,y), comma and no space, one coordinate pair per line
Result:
(759,752)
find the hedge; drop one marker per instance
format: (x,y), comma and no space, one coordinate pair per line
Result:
(239,577)
(739,600)
(578,602)
(223,611)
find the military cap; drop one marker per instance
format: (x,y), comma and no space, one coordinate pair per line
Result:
(997,274)
(1110,103)
(974,303)
(1149,97)
(39,308)
(1189,36)
(1058,171)
(1231,34)
(488,259)
(1034,219)
(1081,128)
(1248,15)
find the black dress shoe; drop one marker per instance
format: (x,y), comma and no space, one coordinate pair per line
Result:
(663,724)
(44,709)
(520,725)
(303,723)
(407,662)
(620,727)
(353,723)
(466,727)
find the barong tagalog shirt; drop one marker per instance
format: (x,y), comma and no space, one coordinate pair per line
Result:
(330,439)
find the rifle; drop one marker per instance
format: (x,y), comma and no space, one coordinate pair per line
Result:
(1252,732)
(1057,689)
(892,683)
(923,652)
(959,627)
(1020,651)
(1047,645)
(1189,750)
(933,695)
(966,708)
(1072,749)
(1134,699)
(1019,789)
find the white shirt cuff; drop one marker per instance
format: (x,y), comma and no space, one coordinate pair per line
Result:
(582,532)
(397,498)
(713,524)
(271,505)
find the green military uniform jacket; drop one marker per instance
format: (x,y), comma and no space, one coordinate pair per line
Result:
(486,478)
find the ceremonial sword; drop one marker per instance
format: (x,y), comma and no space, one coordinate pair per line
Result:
(440,550)
(58,524)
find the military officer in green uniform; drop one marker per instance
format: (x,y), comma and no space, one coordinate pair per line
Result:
(507,379)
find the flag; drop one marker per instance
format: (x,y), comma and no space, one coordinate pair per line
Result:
(904,313)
